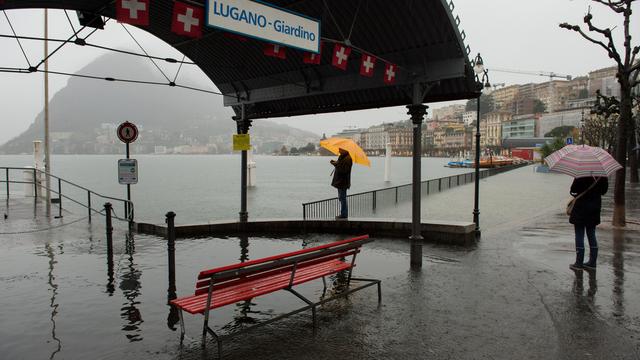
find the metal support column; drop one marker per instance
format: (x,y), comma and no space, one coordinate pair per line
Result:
(476,198)
(47,140)
(417,112)
(243,125)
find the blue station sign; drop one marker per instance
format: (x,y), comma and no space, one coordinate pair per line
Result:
(265,22)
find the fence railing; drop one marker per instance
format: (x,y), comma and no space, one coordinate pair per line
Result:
(37,180)
(366,203)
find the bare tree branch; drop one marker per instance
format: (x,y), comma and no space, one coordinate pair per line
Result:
(607,34)
(577,29)
(616,6)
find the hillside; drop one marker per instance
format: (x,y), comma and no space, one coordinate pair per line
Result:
(84,113)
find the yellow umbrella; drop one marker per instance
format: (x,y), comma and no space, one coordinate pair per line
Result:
(334,145)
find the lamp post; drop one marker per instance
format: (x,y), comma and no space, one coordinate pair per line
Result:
(582,128)
(482,81)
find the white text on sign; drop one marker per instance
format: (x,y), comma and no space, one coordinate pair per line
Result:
(265,22)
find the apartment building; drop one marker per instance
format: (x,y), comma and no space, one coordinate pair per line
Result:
(520,126)
(505,98)
(493,127)
(604,80)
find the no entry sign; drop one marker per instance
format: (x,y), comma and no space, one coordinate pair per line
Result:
(127,132)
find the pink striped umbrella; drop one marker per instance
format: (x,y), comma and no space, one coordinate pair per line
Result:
(582,161)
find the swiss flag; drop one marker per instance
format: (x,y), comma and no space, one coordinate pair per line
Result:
(187,20)
(367,65)
(134,12)
(235,37)
(275,50)
(390,72)
(340,56)
(312,58)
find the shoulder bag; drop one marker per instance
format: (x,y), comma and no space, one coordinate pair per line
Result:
(572,202)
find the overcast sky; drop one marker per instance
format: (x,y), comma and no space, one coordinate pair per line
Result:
(510,34)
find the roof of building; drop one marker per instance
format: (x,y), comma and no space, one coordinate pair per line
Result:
(421,37)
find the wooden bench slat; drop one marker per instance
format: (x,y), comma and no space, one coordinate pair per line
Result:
(197,303)
(250,290)
(207,273)
(202,286)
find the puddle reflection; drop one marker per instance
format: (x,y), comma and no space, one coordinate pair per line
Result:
(130,286)
(54,293)
(618,273)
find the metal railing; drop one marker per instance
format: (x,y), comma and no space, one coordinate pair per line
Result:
(366,203)
(39,187)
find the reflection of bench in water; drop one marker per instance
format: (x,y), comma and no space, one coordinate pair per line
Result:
(243,281)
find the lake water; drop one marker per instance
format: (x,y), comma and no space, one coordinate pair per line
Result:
(62,300)
(206,188)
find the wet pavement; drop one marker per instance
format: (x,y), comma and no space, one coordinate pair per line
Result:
(510,297)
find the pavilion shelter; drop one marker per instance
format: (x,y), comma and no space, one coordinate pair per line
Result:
(419,51)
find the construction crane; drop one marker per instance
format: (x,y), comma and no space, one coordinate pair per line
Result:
(550,75)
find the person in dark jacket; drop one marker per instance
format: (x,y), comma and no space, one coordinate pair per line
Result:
(342,180)
(586,216)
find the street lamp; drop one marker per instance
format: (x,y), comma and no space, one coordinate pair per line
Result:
(482,82)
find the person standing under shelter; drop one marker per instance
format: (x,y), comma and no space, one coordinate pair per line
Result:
(585,216)
(342,180)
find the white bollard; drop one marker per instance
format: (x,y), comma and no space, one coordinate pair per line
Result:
(387,163)
(37,155)
(251,169)
(38,163)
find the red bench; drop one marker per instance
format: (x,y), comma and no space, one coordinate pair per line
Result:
(243,281)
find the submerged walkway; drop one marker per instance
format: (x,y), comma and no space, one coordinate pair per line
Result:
(510,297)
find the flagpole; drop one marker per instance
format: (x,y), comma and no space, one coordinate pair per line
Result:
(47,153)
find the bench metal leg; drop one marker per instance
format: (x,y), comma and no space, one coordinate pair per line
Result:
(309,302)
(371,282)
(215,336)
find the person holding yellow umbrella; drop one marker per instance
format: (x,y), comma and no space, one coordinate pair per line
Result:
(349,152)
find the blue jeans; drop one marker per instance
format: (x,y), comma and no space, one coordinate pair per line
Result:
(593,243)
(342,197)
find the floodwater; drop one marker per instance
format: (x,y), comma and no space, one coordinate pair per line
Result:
(511,296)
(205,188)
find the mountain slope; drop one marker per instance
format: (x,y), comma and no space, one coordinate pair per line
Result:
(83,113)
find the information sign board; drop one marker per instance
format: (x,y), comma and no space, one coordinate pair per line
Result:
(128,171)
(241,142)
(265,22)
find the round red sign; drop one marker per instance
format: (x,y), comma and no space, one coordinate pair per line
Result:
(127,132)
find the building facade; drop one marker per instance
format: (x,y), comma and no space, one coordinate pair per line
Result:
(520,126)
(550,121)
(493,124)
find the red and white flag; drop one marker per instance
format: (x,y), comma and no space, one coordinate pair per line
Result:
(187,20)
(340,56)
(367,65)
(134,12)
(275,50)
(235,37)
(313,58)
(390,72)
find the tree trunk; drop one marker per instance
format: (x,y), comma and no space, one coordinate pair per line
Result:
(633,155)
(619,215)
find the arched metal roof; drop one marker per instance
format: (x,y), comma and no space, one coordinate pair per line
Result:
(420,36)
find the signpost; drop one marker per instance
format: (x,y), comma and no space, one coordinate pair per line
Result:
(127,168)
(265,22)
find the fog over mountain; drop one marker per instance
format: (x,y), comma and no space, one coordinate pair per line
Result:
(83,113)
